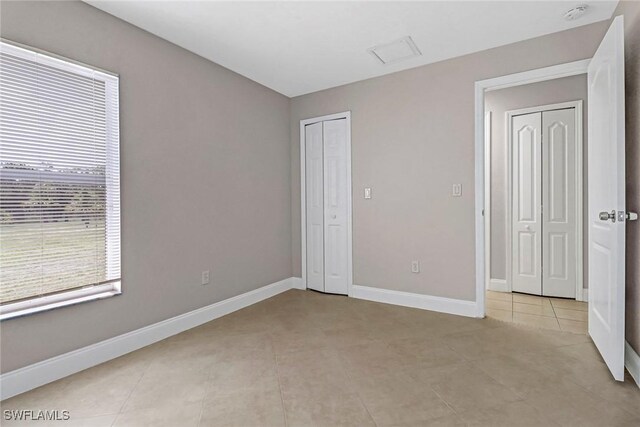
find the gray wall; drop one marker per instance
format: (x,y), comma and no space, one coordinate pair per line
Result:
(631,12)
(499,102)
(205,179)
(412,138)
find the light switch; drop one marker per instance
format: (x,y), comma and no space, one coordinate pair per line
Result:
(457,190)
(367,193)
(415,266)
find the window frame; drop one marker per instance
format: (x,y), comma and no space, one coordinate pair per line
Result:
(97,291)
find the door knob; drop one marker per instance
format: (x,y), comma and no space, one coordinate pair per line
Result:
(632,216)
(333,216)
(527,227)
(605,216)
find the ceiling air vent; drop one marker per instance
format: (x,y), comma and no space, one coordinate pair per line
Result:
(396,51)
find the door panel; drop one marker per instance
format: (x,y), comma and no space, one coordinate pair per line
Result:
(606,180)
(559,203)
(336,206)
(314,182)
(526,201)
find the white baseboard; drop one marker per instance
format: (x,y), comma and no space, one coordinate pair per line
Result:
(584,296)
(296,283)
(498,285)
(632,362)
(407,299)
(38,374)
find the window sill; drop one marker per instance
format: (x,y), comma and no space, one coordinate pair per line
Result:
(63,299)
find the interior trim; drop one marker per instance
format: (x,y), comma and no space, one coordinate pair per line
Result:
(482,86)
(408,299)
(632,362)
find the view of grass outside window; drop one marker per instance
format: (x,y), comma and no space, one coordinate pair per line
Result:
(59,176)
(52,234)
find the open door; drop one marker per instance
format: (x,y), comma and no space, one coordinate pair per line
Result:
(606,180)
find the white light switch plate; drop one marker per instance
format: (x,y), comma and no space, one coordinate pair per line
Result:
(205,277)
(415,266)
(367,193)
(456,191)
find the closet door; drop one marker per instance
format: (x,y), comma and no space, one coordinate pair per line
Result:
(314,183)
(559,203)
(335,206)
(526,202)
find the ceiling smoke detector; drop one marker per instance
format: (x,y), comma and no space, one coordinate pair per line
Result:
(576,12)
(396,51)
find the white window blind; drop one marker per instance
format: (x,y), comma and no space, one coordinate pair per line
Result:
(59,182)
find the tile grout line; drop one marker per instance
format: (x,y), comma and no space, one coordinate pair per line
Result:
(555,314)
(275,361)
(144,372)
(342,363)
(205,396)
(443,400)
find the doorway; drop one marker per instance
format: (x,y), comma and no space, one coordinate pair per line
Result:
(325,165)
(606,185)
(535,154)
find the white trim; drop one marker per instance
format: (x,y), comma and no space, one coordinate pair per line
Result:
(498,285)
(487,198)
(296,283)
(407,299)
(46,371)
(517,79)
(559,71)
(60,299)
(578,177)
(632,362)
(15,46)
(585,295)
(303,216)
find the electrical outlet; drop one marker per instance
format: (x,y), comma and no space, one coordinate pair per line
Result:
(367,193)
(205,277)
(456,191)
(415,266)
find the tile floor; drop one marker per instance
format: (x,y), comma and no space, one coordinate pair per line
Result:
(302,359)
(539,312)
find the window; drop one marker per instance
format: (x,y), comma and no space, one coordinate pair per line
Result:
(59,182)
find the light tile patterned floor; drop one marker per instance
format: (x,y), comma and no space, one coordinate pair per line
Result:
(302,359)
(538,312)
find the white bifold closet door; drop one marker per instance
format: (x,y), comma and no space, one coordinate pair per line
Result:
(327,206)
(559,204)
(544,203)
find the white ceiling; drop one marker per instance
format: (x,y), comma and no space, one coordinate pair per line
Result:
(302,47)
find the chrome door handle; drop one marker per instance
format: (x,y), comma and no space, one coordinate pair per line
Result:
(605,216)
(631,216)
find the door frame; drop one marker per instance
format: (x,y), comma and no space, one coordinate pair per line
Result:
(481,200)
(303,215)
(579,179)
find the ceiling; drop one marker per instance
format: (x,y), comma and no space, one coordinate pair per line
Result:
(300,47)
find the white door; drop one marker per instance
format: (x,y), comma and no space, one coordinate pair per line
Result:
(336,208)
(607,198)
(327,206)
(526,201)
(559,255)
(314,185)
